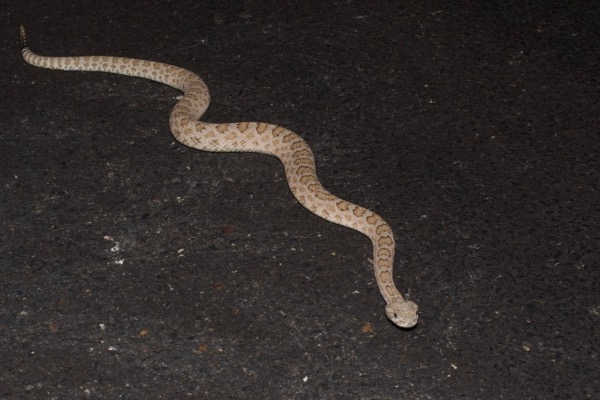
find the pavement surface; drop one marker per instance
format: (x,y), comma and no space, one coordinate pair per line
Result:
(136,268)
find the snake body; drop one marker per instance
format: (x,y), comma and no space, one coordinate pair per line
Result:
(294,153)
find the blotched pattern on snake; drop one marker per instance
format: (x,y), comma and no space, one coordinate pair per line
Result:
(295,155)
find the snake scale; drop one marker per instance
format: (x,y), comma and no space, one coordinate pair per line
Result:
(294,153)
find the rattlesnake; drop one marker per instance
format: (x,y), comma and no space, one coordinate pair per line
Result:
(294,153)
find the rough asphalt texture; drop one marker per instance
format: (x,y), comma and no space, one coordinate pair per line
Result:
(133,267)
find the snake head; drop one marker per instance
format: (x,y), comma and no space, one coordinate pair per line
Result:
(402,313)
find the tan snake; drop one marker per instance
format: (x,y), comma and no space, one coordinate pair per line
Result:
(293,151)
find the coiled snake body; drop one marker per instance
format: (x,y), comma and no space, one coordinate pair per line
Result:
(294,153)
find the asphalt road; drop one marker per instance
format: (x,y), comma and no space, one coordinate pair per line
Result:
(133,267)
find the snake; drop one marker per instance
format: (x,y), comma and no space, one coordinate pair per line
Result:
(293,152)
